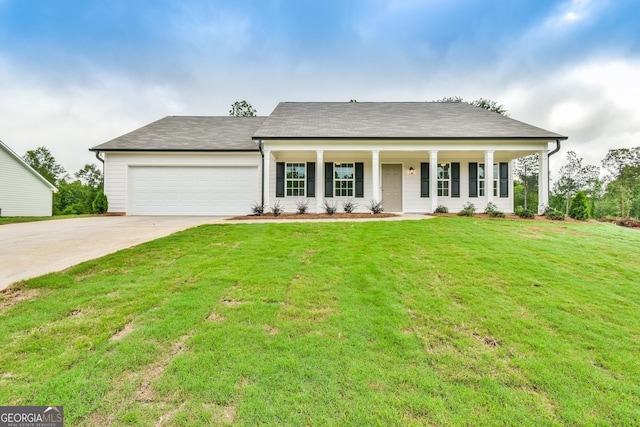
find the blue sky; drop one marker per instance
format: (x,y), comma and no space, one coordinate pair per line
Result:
(76,73)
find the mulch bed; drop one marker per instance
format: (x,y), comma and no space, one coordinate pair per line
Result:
(624,222)
(314,216)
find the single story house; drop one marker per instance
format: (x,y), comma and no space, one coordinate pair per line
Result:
(412,156)
(23,191)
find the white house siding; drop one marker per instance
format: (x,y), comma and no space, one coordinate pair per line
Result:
(118,167)
(22,193)
(289,203)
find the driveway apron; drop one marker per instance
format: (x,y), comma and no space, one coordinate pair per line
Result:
(32,249)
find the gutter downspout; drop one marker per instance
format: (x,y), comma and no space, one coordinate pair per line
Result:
(551,153)
(260,147)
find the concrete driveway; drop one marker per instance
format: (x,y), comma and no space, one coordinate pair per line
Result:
(32,249)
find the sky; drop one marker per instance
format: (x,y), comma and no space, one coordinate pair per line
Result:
(77,73)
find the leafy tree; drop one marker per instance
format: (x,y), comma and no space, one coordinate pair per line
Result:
(623,165)
(526,169)
(579,206)
(574,176)
(72,198)
(353,100)
(43,161)
(90,175)
(242,109)
(487,104)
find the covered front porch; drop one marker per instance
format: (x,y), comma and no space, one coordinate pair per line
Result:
(407,179)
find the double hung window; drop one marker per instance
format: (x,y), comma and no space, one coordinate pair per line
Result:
(295,179)
(444,179)
(344,179)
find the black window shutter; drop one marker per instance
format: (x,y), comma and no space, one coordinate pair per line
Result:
(424,179)
(359,179)
(328,180)
(504,179)
(455,179)
(473,180)
(311,179)
(280,179)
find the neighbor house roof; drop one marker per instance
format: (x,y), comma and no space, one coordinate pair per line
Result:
(393,120)
(34,172)
(189,133)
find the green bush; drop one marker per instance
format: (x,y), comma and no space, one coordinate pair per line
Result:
(579,208)
(554,214)
(441,209)
(100,203)
(467,210)
(524,213)
(493,211)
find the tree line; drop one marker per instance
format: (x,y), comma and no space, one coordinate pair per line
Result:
(82,195)
(584,191)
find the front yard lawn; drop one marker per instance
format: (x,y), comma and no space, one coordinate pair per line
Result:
(448,321)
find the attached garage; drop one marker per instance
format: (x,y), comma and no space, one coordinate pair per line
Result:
(192,190)
(184,165)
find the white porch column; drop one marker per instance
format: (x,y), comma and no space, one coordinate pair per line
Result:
(488,175)
(375,174)
(543,180)
(267,178)
(433,179)
(319,180)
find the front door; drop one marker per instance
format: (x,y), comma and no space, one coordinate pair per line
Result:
(392,188)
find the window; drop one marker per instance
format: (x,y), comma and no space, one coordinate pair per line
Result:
(344,178)
(444,177)
(294,177)
(481,180)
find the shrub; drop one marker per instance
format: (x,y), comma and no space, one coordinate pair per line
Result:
(554,214)
(330,208)
(277,208)
(579,208)
(100,203)
(375,207)
(349,206)
(257,209)
(524,213)
(493,211)
(74,209)
(467,210)
(302,206)
(441,209)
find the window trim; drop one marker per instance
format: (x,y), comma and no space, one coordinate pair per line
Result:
(337,180)
(447,181)
(302,182)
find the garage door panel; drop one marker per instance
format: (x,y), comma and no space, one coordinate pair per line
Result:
(187,190)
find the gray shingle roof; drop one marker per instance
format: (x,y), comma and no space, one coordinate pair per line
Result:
(189,133)
(393,120)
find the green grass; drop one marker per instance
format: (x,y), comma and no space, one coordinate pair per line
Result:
(449,321)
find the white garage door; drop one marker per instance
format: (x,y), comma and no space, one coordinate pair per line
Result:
(189,190)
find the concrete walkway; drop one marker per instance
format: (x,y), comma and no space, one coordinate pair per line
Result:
(32,249)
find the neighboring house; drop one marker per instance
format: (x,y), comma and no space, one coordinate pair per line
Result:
(23,191)
(412,156)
